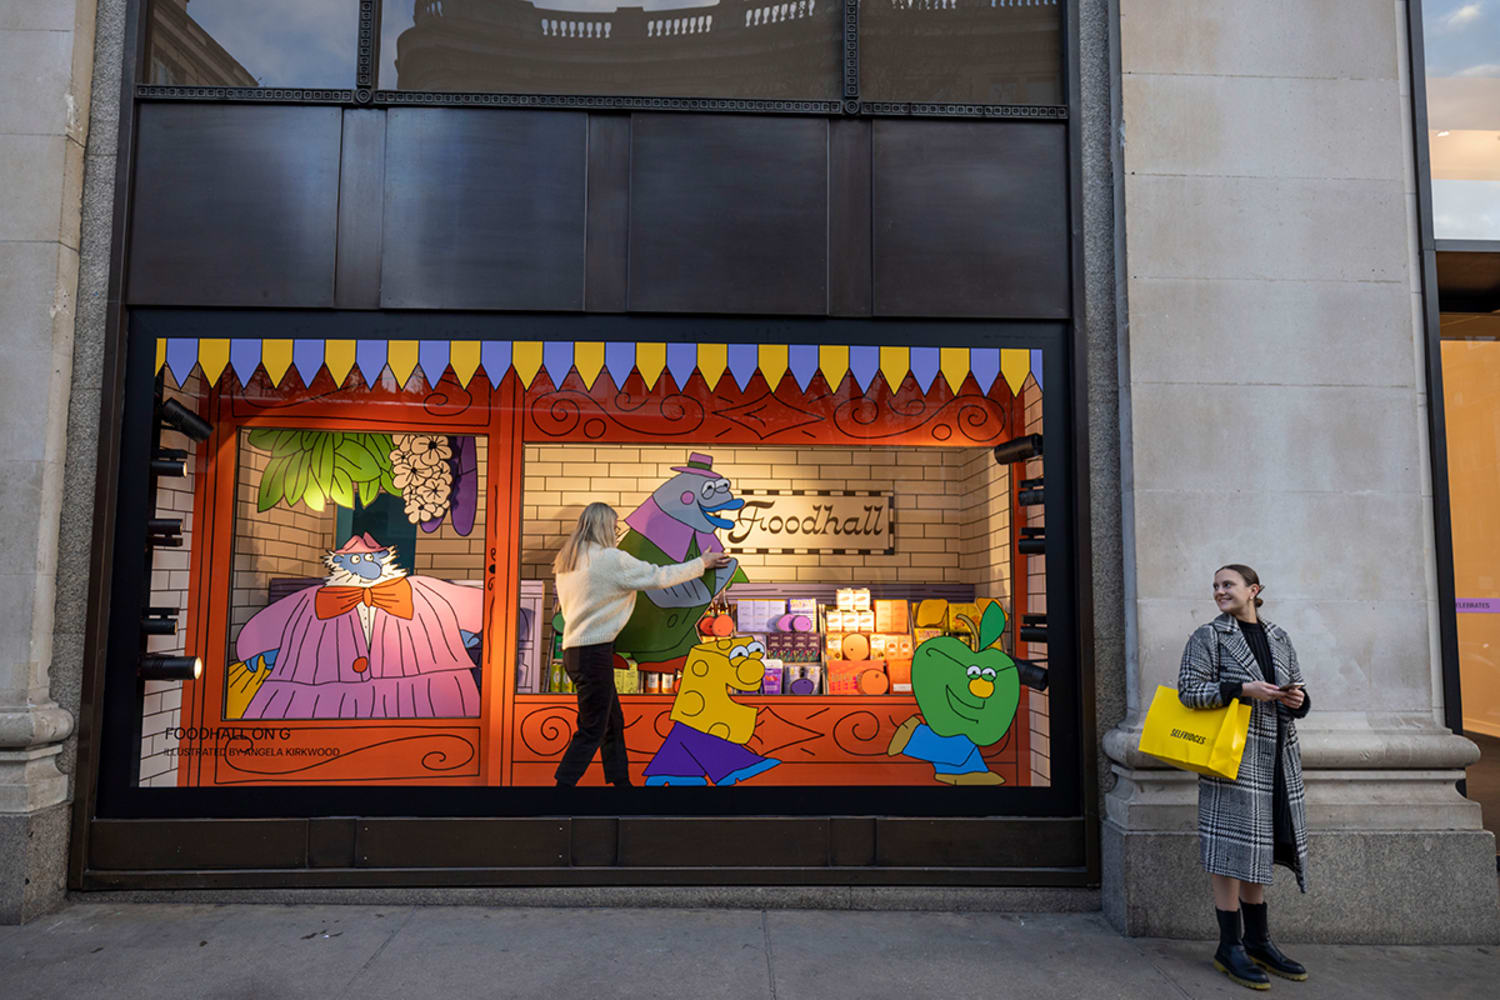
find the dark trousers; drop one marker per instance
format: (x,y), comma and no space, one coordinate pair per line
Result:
(601,724)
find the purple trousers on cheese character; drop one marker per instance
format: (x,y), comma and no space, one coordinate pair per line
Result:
(688,757)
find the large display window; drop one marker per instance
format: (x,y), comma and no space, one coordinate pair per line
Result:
(355,555)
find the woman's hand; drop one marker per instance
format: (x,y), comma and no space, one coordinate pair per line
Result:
(1293,698)
(1262,691)
(716,560)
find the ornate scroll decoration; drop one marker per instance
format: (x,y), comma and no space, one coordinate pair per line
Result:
(862,733)
(757,414)
(422,755)
(544,731)
(447,401)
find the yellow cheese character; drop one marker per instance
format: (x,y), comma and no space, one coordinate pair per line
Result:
(709,729)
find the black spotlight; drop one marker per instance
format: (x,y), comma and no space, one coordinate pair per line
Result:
(154,667)
(1033,542)
(1032,674)
(164,532)
(169,462)
(159,621)
(1030,493)
(1018,449)
(185,420)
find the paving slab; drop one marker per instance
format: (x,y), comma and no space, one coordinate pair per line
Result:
(472,952)
(239,951)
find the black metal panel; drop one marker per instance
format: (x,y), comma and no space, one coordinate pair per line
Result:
(687,843)
(462,843)
(361,188)
(851,840)
(235,206)
(341,878)
(608,213)
(980,843)
(149,844)
(729,215)
(971,219)
(849,218)
(595,841)
(330,842)
(484,209)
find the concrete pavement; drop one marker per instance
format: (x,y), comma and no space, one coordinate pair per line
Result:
(261,952)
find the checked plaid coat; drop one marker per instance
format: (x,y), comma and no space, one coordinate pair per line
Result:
(1234,817)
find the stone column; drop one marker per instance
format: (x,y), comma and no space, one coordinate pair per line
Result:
(46,58)
(1274,397)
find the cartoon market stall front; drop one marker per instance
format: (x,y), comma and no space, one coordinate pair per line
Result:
(369,527)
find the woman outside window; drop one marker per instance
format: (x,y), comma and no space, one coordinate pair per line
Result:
(1258,820)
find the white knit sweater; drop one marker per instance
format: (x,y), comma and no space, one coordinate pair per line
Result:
(598,596)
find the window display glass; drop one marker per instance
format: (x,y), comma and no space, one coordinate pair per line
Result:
(365,535)
(270,43)
(1463,117)
(961,51)
(655,48)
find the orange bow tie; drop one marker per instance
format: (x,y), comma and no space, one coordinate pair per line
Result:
(392,597)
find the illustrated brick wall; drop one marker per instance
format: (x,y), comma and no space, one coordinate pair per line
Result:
(1035,568)
(282,541)
(445,553)
(945,501)
(161,708)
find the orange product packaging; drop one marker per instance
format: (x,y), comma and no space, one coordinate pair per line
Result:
(872,678)
(899,672)
(843,676)
(891,616)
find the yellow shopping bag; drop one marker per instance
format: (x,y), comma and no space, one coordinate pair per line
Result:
(1206,740)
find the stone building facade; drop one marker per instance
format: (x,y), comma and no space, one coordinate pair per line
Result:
(1253,335)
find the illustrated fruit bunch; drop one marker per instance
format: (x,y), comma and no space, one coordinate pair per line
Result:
(422,470)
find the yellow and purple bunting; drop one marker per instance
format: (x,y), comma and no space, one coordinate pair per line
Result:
(404,359)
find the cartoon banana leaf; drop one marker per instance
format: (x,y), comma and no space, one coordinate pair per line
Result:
(342,488)
(263,438)
(296,477)
(272,483)
(324,462)
(314,497)
(356,460)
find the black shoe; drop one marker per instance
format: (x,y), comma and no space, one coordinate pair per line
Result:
(1231,958)
(1262,951)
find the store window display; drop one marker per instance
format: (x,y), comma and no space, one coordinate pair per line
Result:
(370,527)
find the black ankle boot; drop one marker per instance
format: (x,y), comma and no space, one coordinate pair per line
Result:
(1261,950)
(1231,959)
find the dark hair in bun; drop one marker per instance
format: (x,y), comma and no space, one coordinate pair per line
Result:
(1251,578)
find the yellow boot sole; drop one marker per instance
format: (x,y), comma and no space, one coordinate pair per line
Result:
(1236,979)
(1275,972)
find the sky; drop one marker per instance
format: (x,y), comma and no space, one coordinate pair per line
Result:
(286,43)
(1462,37)
(1462,42)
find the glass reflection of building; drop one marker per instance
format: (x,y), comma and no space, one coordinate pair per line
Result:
(911,49)
(183,54)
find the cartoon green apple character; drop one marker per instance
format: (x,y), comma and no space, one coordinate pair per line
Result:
(968,698)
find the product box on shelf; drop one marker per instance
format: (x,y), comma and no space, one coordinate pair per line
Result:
(756,615)
(802,678)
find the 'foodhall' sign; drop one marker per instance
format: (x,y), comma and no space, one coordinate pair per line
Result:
(831,522)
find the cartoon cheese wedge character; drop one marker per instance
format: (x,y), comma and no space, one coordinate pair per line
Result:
(967,697)
(709,728)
